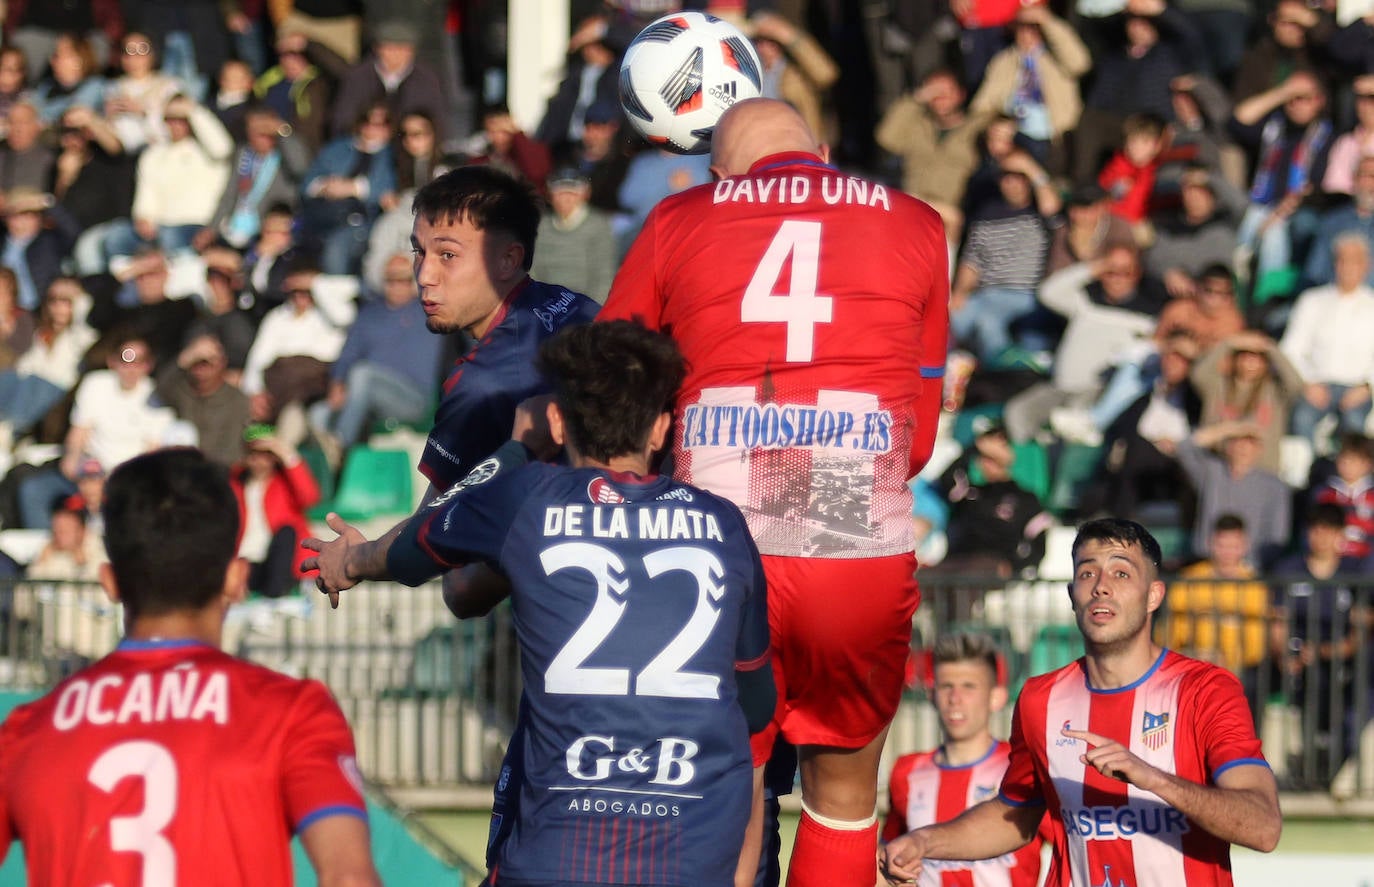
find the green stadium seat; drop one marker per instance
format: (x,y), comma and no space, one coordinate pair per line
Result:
(1076,464)
(1030,468)
(967,418)
(1280,283)
(324,476)
(374,482)
(1054,646)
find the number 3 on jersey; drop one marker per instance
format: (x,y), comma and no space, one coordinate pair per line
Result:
(142,832)
(799,243)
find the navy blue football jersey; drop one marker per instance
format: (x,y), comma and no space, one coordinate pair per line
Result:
(635,602)
(486,385)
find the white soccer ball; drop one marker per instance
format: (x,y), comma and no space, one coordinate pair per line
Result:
(681,73)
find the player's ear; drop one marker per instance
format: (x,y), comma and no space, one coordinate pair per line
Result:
(659,433)
(107,582)
(236,582)
(1155,596)
(556,429)
(824,152)
(998,700)
(511,259)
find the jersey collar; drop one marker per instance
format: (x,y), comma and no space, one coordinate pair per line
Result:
(132,645)
(788,158)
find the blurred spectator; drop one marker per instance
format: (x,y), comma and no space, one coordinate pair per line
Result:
(997,143)
(16,324)
(1129,175)
(1224,27)
(179,181)
(135,100)
(1198,136)
(576,243)
(1089,229)
(388,368)
(1350,147)
(937,141)
(1141,438)
(73,553)
(1246,378)
(1004,259)
(274,488)
(419,156)
(160,312)
(190,38)
(592,76)
(1206,311)
(113,419)
(1327,340)
(1318,629)
(392,76)
(31,250)
(1295,41)
(1109,314)
(48,369)
(1352,488)
(266,170)
(266,263)
(654,173)
(199,392)
(220,315)
(295,346)
(1150,44)
(505,146)
(1288,127)
(344,187)
(233,98)
(1234,483)
(247,24)
(335,24)
(795,68)
(1222,615)
(35,26)
(73,80)
(1199,235)
(25,161)
(983,33)
(1352,46)
(296,90)
(602,154)
(93,182)
(1035,81)
(13,82)
(1355,217)
(995,527)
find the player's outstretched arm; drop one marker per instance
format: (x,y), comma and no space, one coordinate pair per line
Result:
(984,831)
(339,849)
(1241,808)
(348,559)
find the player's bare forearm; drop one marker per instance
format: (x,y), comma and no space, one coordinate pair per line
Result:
(1242,808)
(338,849)
(987,830)
(474,590)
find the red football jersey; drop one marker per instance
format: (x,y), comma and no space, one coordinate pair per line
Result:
(813,309)
(1186,717)
(923,791)
(172,763)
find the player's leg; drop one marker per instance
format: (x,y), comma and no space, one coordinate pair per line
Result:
(837,836)
(842,632)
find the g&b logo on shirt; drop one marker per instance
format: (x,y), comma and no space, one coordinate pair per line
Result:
(596,759)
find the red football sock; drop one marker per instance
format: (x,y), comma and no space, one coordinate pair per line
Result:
(834,857)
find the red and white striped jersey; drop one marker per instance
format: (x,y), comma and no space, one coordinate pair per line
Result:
(1184,716)
(923,792)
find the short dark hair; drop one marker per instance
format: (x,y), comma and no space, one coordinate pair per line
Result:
(1356,444)
(611,381)
(963,647)
(1326,514)
(171,530)
(490,200)
(1122,532)
(1228,523)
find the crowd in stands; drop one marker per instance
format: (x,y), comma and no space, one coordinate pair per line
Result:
(1160,217)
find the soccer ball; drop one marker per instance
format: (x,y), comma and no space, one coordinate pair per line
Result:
(681,73)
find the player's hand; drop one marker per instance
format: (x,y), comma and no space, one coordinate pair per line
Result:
(1112,759)
(899,860)
(331,559)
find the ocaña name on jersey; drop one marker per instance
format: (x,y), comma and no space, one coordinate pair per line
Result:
(179,694)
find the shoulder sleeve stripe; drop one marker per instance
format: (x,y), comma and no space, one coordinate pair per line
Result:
(315,816)
(1240,762)
(1033,802)
(932,372)
(755,663)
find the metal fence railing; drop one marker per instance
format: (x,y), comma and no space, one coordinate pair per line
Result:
(432,699)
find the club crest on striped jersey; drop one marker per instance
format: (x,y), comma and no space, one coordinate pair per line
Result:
(1154,730)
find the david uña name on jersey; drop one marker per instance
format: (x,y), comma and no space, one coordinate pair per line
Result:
(780,426)
(833,189)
